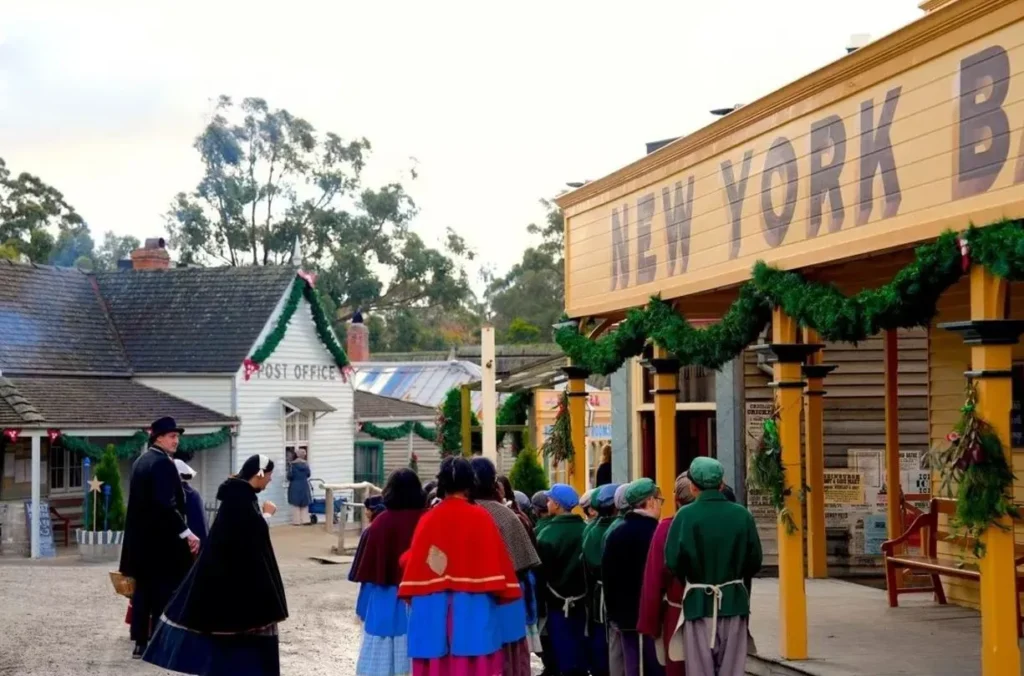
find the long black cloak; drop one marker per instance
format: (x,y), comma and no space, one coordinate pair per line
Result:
(235,585)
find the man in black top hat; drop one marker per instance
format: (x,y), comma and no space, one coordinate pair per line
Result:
(158,546)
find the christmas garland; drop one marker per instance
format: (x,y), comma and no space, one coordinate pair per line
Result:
(974,464)
(558,446)
(449,423)
(767,473)
(399,431)
(514,411)
(302,287)
(908,300)
(130,447)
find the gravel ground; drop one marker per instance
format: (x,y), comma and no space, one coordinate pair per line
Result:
(63,619)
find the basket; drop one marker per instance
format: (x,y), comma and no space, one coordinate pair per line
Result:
(123,585)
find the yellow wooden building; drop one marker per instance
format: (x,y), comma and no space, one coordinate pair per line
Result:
(839,175)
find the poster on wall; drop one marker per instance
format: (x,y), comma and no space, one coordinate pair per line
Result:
(844,487)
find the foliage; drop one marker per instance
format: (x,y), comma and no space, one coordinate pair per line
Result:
(132,446)
(909,299)
(514,410)
(113,249)
(449,423)
(529,299)
(38,223)
(527,474)
(974,464)
(270,177)
(395,432)
(558,446)
(767,473)
(302,289)
(109,472)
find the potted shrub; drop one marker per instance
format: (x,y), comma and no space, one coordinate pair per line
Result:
(101,538)
(527,474)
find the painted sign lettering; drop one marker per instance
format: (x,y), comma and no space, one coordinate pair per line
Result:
(877,162)
(286,371)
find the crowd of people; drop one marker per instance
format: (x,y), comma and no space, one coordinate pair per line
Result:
(467,577)
(463,576)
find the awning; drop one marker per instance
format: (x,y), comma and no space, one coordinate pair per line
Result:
(308,404)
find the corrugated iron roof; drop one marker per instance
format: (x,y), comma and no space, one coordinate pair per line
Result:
(420,382)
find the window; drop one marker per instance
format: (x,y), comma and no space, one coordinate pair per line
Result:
(298,430)
(369,462)
(65,470)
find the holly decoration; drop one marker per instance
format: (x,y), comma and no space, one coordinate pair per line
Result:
(767,473)
(558,446)
(973,465)
(302,287)
(53,435)
(908,300)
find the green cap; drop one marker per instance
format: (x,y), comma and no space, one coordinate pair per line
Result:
(640,490)
(706,473)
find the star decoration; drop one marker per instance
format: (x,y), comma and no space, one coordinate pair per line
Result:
(94,485)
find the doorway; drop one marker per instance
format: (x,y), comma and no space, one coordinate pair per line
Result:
(695,436)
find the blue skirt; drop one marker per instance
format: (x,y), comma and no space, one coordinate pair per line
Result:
(456,623)
(188,652)
(384,656)
(384,650)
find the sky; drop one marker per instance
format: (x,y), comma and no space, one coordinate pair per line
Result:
(496,105)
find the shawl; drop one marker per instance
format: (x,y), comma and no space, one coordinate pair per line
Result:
(457,548)
(659,583)
(517,539)
(387,538)
(235,586)
(358,557)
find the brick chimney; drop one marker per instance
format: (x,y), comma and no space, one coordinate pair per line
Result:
(152,256)
(358,343)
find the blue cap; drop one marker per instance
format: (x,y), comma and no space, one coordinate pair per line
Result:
(565,496)
(605,496)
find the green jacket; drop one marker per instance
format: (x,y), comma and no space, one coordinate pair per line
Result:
(593,543)
(560,545)
(542,522)
(713,541)
(616,522)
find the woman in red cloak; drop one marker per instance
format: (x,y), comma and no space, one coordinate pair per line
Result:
(457,572)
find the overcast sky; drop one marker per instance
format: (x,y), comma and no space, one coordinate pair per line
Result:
(499,107)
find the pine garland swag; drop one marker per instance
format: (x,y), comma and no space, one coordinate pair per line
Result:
(395,432)
(449,423)
(302,287)
(131,447)
(558,446)
(767,474)
(906,301)
(973,465)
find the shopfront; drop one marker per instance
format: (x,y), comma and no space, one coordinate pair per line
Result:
(848,177)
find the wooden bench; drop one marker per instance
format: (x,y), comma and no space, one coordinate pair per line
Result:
(67,520)
(931,563)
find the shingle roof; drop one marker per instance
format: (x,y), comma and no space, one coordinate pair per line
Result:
(96,402)
(192,320)
(52,319)
(369,405)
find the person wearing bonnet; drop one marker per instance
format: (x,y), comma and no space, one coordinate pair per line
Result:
(712,548)
(210,628)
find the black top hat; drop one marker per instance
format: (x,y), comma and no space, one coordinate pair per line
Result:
(164,425)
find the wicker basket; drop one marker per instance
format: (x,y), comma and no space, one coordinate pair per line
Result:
(123,585)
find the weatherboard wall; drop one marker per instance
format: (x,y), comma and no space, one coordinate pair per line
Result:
(302,367)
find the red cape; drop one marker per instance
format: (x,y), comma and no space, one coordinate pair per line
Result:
(457,547)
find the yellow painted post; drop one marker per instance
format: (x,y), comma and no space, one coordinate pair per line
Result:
(576,473)
(893,485)
(666,390)
(789,356)
(991,342)
(814,458)
(466,421)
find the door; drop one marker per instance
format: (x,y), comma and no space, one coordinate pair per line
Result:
(369,462)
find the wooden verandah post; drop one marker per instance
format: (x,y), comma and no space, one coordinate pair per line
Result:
(992,337)
(577,390)
(893,485)
(666,391)
(814,457)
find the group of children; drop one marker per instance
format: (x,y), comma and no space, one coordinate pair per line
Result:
(596,584)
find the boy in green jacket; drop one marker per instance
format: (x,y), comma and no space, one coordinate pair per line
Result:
(712,547)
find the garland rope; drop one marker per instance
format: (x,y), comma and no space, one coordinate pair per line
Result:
(908,300)
(131,447)
(302,287)
(394,432)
